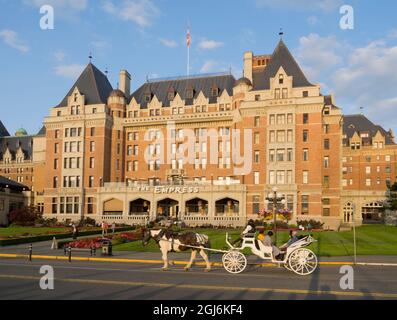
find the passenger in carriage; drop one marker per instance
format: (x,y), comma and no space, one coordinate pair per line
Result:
(269,243)
(293,237)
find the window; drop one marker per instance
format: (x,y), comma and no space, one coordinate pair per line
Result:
(57,133)
(280,155)
(272,119)
(55,182)
(281,79)
(305,204)
(277,94)
(257,122)
(55,164)
(305,118)
(305,94)
(368,170)
(256,157)
(90,205)
(285,93)
(281,119)
(305,154)
(326,212)
(289,177)
(256,178)
(271,155)
(289,155)
(255,204)
(271,177)
(56,147)
(91,182)
(326,162)
(256,138)
(305,135)
(281,136)
(92,131)
(257,97)
(326,128)
(92,146)
(290,118)
(368,182)
(305,177)
(280,177)
(326,144)
(290,136)
(326,182)
(135,166)
(387,158)
(92,163)
(54,205)
(272,137)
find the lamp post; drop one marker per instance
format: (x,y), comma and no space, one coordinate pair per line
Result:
(275,198)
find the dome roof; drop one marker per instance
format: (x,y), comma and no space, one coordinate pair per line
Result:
(21,132)
(243,80)
(117,93)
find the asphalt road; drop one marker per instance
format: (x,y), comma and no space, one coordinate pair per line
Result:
(19,279)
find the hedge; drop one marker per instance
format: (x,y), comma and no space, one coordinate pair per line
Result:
(47,237)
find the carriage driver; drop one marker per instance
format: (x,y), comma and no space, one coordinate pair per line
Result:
(249,230)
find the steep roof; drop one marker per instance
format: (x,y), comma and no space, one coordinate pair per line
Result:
(42,131)
(4,182)
(204,84)
(360,124)
(13,144)
(3,130)
(281,57)
(93,84)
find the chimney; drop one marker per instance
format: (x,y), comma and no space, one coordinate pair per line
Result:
(125,82)
(248,58)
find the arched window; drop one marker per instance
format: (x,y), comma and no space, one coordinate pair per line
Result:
(281,79)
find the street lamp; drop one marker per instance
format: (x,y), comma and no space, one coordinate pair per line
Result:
(275,198)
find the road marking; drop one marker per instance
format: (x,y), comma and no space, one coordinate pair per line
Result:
(208,287)
(176,262)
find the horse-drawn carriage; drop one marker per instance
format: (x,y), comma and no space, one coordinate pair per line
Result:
(296,257)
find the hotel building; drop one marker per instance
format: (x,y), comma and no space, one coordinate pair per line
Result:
(209,148)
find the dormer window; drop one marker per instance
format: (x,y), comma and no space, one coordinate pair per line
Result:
(148,97)
(189,93)
(214,91)
(171,95)
(281,79)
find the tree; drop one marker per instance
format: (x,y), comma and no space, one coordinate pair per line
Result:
(392,198)
(24,217)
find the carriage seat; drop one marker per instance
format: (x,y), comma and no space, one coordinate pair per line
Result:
(267,251)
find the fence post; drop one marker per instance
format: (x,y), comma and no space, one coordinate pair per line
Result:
(70,254)
(30,252)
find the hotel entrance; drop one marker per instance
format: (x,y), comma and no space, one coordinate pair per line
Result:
(168,208)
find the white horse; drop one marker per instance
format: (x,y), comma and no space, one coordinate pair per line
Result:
(169,241)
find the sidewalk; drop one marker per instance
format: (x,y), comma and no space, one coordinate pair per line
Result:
(44,249)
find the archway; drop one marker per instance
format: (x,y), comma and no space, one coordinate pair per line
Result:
(197,206)
(113,207)
(168,208)
(139,207)
(227,206)
(348,211)
(372,212)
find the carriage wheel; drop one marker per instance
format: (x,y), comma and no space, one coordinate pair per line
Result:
(234,262)
(302,261)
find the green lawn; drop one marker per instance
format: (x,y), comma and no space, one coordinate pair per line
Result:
(371,240)
(16,232)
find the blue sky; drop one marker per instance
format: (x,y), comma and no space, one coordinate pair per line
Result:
(147,37)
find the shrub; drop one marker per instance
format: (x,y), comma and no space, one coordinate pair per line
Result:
(24,217)
(313,223)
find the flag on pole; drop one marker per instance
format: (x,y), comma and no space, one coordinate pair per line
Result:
(188,38)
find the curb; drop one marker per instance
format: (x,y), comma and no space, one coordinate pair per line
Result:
(178,262)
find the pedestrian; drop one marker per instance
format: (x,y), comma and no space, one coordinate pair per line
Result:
(113,227)
(75,231)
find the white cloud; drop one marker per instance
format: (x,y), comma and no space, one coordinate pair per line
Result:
(69,71)
(209,44)
(210,66)
(141,12)
(169,43)
(318,54)
(369,80)
(78,5)
(324,5)
(11,38)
